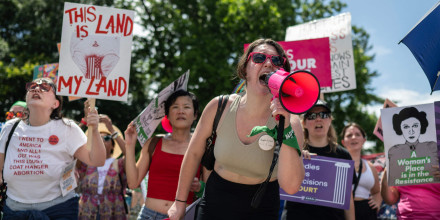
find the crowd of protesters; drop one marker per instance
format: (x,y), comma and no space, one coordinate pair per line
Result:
(108,164)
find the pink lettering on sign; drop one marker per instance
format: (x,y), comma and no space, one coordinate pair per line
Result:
(312,55)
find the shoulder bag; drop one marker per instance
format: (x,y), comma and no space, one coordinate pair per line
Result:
(208,158)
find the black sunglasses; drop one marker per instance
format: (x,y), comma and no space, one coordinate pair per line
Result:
(106,137)
(313,116)
(276,60)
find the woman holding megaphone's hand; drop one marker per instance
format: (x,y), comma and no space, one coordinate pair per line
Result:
(243,155)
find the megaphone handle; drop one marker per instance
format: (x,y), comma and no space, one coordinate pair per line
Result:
(280,130)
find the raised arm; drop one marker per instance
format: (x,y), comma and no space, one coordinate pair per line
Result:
(290,165)
(390,194)
(135,171)
(96,155)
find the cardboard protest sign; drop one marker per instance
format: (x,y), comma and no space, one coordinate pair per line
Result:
(378,131)
(95,52)
(338,30)
(312,55)
(150,117)
(410,141)
(327,182)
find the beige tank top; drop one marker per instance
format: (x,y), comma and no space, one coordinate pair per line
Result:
(247,160)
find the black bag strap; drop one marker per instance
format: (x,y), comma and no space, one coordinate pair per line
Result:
(7,144)
(262,189)
(222,101)
(357,178)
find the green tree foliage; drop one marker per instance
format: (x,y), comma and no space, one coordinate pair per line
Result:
(203,36)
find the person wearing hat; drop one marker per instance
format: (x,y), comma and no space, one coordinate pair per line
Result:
(102,188)
(17,110)
(320,139)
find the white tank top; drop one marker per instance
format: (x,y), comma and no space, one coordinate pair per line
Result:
(365,183)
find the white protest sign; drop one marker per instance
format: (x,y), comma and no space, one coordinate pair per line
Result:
(150,117)
(338,30)
(95,52)
(410,140)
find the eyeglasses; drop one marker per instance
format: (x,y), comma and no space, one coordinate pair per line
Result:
(44,86)
(276,60)
(313,116)
(106,137)
(11,115)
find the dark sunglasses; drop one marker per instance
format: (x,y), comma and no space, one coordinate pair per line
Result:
(258,57)
(106,137)
(11,115)
(44,86)
(313,116)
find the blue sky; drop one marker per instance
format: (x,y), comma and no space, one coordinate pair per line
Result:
(388,21)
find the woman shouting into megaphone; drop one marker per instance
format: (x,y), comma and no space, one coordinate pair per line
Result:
(243,155)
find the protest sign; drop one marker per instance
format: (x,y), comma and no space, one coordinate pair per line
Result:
(50,71)
(150,117)
(47,71)
(95,52)
(327,182)
(312,55)
(410,140)
(378,131)
(338,30)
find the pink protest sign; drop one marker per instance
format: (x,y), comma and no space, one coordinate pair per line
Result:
(95,52)
(312,55)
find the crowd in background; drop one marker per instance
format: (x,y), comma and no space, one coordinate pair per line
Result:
(108,165)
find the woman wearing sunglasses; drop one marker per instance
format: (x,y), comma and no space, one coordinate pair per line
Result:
(366,190)
(17,110)
(320,139)
(41,147)
(103,188)
(162,161)
(242,164)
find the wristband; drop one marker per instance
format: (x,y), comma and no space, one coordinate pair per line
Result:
(84,122)
(289,139)
(199,194)
(178,200)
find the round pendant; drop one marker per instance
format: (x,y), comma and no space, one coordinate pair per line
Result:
(266,142)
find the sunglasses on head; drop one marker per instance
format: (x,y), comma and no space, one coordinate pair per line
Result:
(106,137)
(11,115)
(276,60)
(44,86)
(313,116)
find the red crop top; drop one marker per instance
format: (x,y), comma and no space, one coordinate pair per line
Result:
(164,175)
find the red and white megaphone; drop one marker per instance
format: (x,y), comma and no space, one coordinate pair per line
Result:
(297,91)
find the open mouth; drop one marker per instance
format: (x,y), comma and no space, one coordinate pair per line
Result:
(262,78)
(35,96)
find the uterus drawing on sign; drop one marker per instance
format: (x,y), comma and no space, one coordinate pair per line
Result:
(95,55)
